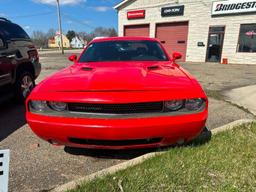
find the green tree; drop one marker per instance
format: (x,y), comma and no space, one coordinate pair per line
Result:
(71,34)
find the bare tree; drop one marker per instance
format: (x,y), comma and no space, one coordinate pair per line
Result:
(98,32)
(85,36)
(51,33)
(40,39)
(112,32)
(104,32)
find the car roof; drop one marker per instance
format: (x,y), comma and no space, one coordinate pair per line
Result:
(3,19)
(104,39)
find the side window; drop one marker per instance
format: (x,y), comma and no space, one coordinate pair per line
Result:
(13,31)
(247,38)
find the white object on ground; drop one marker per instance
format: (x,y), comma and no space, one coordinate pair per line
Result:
(4,170)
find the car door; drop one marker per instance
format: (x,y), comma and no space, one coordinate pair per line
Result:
(5,63)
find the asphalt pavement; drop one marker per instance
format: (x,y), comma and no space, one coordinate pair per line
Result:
(219,77)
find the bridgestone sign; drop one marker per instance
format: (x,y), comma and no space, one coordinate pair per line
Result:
(233,7)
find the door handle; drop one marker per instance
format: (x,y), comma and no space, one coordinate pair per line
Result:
(11,56)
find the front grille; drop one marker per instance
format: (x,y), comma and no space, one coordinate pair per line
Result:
(116,108)
(115,142)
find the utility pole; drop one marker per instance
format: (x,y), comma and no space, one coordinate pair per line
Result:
(60,27)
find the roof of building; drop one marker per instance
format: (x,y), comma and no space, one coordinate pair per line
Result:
(121,3)
(51,41)
(78,38)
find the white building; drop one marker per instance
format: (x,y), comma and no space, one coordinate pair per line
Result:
(202,30)
(77,42)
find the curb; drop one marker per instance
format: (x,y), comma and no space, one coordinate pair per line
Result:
(234,97)
(73,184)
(232,125)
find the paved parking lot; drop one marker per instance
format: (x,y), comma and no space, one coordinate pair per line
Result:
(37,166)
(221,77)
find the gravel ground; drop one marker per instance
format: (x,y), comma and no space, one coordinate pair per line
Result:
(36,166)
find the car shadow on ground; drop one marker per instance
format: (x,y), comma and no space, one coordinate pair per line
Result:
(110,154)
(12,117)
(202,139)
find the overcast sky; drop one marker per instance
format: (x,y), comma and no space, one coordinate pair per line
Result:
(79,15)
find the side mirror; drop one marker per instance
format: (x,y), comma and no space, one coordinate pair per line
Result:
(176,55)
(72,58)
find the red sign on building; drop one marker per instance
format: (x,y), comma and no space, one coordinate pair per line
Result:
(139,14)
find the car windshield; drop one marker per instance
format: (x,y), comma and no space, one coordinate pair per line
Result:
(124,51)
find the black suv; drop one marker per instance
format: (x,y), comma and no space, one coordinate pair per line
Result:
(19,61)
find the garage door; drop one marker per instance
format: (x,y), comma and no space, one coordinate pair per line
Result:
(136,31)
(174,37)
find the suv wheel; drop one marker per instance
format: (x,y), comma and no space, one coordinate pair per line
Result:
(24,85)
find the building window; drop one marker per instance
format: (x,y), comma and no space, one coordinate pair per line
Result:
(247,38)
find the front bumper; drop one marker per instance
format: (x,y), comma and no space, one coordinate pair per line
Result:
(118,133)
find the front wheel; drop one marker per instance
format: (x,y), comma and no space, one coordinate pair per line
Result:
(24,85)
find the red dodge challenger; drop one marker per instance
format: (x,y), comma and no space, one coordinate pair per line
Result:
(120,93)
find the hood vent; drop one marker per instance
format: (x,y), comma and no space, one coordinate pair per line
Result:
(87,68)
(153,67)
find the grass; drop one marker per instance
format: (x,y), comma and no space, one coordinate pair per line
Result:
(226,163)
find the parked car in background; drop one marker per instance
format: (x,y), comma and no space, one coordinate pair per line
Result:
(19,61)
(121,93)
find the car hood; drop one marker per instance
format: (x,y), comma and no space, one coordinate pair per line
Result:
(117,76)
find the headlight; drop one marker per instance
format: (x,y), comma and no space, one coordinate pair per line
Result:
(57,106)
(38,106)
(194,104)
(174,105)
(46,107)
(185,106)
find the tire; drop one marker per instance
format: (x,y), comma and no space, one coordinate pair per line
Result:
(204,137)
(25,83)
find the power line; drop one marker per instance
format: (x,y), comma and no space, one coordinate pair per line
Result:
(32,15)
(71,17)
(78,21)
